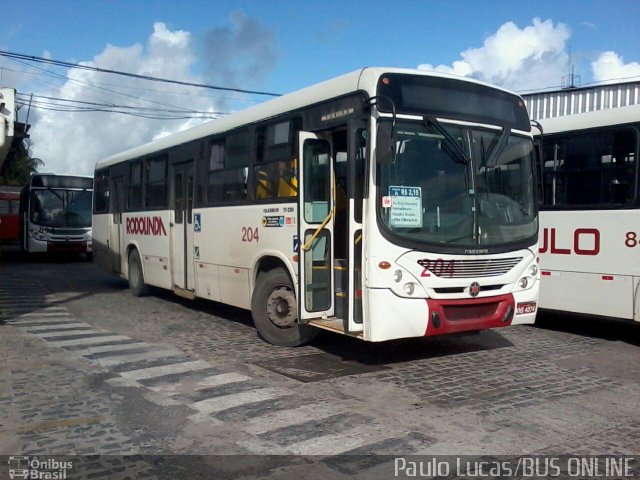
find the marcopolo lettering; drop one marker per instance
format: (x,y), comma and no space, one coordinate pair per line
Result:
(145,226)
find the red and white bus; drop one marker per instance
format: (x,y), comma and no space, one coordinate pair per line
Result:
(9,215)
(55,212)
(381,204)
(590,218)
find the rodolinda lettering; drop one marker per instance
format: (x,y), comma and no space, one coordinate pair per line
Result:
(145,226)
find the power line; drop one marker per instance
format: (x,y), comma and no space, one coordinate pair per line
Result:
(94,86)
(60,63)
(74,103)
(78,106)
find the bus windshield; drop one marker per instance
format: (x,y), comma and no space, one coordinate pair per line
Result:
(458,186)
(54,207)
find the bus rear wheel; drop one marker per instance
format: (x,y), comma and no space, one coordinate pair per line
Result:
(136,276)
(275,311)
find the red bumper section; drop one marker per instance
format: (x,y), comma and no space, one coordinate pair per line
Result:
(66,247)
(451,316)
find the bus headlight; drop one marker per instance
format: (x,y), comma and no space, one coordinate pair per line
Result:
(533,270)
(523,282)
(34,233)
(397,276)
(409,288)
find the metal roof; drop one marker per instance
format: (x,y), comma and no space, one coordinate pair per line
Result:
(569,101)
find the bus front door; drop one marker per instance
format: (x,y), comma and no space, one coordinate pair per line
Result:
(182,229)
(315,292)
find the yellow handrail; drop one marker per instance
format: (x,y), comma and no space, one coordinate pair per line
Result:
(308,243)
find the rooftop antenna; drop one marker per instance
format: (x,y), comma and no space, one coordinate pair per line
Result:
(572,80)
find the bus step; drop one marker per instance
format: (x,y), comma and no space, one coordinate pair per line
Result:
(181,292)
(332,323)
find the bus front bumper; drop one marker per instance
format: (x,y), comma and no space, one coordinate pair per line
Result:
(392,317)
(65,247)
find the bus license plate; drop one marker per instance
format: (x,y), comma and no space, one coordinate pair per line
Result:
(526,307)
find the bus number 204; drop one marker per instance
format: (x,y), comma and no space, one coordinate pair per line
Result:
(250,234)
(439,267)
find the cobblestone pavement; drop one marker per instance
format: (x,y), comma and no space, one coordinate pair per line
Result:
(87,369)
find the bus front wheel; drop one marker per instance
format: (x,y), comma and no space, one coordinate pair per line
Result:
(275,311)
(136,276)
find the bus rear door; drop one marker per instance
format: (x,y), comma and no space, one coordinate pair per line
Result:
(116,234)
(182,229)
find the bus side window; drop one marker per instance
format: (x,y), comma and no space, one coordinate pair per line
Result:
(101,192)
(155,179)
(228,168)
(595,169)
(134,197)
(275,174)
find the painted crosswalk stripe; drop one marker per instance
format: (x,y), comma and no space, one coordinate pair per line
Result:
(35,323)
(27,301)
(112,348)
(88,340)
(333,443)
(46,313)
(218,404)
(136,357)
(151,372)
(42,321)
(175,388)
(68,333)
(22,302)
(22,308)
(55,326)
(288,418)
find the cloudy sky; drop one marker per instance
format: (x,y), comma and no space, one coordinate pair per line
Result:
(278,46)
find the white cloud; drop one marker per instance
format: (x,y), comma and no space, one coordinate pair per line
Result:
(73,142)
(520,59)
(609,66)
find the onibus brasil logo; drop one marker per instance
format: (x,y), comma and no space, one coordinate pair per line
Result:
(34,468)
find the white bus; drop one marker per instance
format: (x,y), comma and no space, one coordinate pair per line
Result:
(381,204)
(55,214)
(590,218)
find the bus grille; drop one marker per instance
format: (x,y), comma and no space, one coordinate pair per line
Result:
(67,231)
(492,267)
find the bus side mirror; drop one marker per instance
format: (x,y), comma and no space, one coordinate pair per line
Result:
(386,144)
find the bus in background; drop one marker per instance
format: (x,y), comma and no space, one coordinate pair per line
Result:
(9,215)
(381,204)
(55,214)
(590,215)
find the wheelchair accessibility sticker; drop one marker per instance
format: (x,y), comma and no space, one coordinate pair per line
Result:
(197,225)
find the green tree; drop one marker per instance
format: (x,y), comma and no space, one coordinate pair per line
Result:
(19,164)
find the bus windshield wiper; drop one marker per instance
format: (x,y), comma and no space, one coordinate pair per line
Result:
(450,143)
(495,153)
